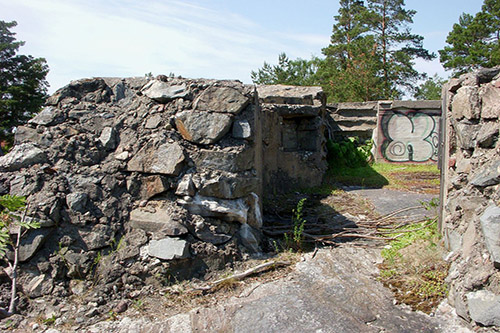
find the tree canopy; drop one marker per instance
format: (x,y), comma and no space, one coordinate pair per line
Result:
(430,89)
(370,56)
(474,40)
(23,87)
(299,72)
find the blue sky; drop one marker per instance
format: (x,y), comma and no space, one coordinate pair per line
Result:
(220,39)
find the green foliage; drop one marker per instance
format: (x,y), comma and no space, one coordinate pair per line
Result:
(430,89)
(11,206)
(294,240)
(407,235)
(349,70)
(349,153)
(474,40)
(297,72)
(370,56)
(413,266)
(397,47)
(23,87)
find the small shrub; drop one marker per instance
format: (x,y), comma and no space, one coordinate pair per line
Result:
(350,153)
(295,238)
(11,207)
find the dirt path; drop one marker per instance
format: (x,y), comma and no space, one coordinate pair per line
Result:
(387,201)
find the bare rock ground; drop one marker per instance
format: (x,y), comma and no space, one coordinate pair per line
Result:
(334,290)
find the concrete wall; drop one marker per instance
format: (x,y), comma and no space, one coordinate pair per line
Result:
(407,131)
(293,138)
(352,119)
(470,194)
(402,131)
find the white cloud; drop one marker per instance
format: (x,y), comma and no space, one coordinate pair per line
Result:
(123,37)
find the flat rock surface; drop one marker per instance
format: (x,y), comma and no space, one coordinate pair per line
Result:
(335,290)
(387,201)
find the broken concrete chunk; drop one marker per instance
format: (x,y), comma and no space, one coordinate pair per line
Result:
(228,210)
(164,159)
(169,248)
(484,307)
(490,225)
(153,122)
(22,156)
(242,129)
(77,201)
(49,116)
(163,92)
(221,99)
(108,138)
(250,238)
(160,221)
(487,176)
(186,186)
(203,127)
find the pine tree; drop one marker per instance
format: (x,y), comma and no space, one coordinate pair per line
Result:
(474,40)
(298,72)
(23,87)
(349,71)
(397,47)
(430,89)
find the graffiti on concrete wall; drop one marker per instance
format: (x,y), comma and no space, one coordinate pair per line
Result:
(410,136)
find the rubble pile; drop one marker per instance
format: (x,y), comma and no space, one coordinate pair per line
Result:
(138,180)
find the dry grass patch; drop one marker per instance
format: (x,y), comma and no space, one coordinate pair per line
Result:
(413,267)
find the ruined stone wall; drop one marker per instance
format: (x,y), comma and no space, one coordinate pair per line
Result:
(294,154)
(356,119)
(136,178)
(470,183)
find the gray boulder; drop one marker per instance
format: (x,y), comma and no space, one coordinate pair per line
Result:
(490,97)
(22,156)
(249,238)
(163,92)
(108,138)
(157,221)
(77,201)
(484,307)
(211,230)
(466,103)
(153,158)
(49,116)
(490,225)
(169,248)
(242,129)
(221,99)
(487,176)
(39,286)
(203,127)
(228,210)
